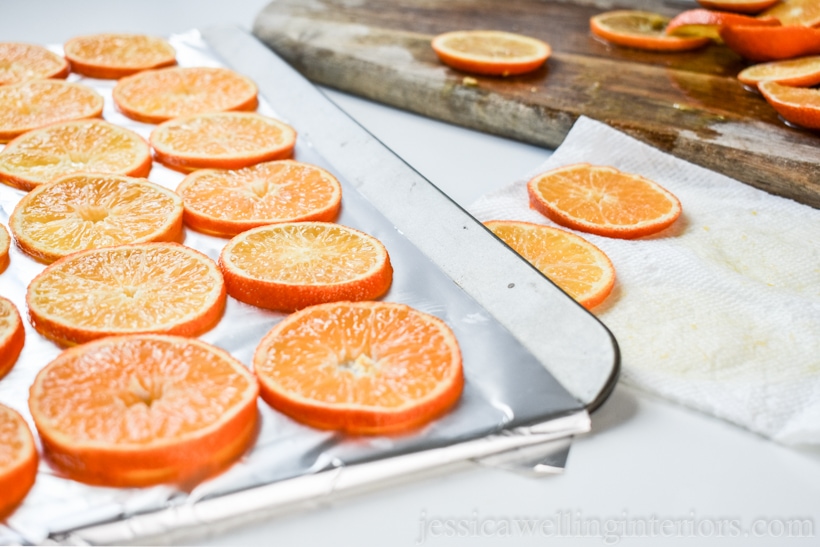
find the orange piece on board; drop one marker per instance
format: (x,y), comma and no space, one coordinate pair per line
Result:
(797,105)
(38,103)
(603,200)
(578,267)
(44,154)
(795,12)
(5,244)
(799,72)
(704,22)
(226,202)
(21,62)
(18,460)
(738,6)
(12,336)
(761,44)
(288,266)
(91,210)
(154,96)
(163,288)
(114,55)
(491,52)
(360,367)
(140,410)
(641,30)
(221,140)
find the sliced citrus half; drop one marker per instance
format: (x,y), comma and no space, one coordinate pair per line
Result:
(288,266)
(5,244)
(762,44)
(738,6)
(578,267)
(154,96)
(705,22)
(18,460)
(800,72)
(491,52)
(114,55)
(795,12)
(38,103)
(44,154)
(163,288)
(603,200)
(21,62)
(798,105)
(90,210)
(641,30)
(12,335)
(360,367)
(226,202)
(140,410)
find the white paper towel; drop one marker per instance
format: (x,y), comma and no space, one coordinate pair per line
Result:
(721,311)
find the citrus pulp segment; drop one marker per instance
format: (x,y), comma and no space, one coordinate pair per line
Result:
(226,202)
(491,52)
(738,6)
(44,154)
(5,244)
(12,335)
(114,55)
(641,30)
(798,105)
(705,22)
(578,267)
(89,210)
(288,266)
(18,460)
(21,62)
(360,367)
(37,103)
(603,200)
(795,12)
(800,72)
(154,96)
(144,409)
(127,289)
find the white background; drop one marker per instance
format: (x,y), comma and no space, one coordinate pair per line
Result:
(644,459)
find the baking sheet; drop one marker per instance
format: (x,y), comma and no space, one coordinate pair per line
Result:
(510,399)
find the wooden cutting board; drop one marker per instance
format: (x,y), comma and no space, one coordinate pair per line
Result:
(688,104)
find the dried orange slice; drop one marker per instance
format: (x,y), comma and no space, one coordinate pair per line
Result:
(163,288)
(641,30)
(491,52)
(603,200)
(154,96)
(798,105)
(761,44)
(227,202)
(800,72)
(18,460)
(291,265)
(578,267)
(360,367)
(5,243)
(112,56)
(44,154)
(20,62)
(12,336)
(705,22)
(221,140)
(89,210)
(38,103)
(144,409)
(795,12)
(738,6)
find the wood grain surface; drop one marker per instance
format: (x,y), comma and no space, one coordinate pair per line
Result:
(688,104)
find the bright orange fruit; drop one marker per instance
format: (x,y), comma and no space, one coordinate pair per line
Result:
(761,44)
(603,200)
(154,96)
(112,56)
(89,210)
(705,22)
(360,367)
(226,202)
(578,267)
(738,6)
(5,243)
(18,460)
(140,410)
(221,140)
(800,72)
(44,154)
(38,103)
(291,265)
(164,288)
(795,12)
(491,52)
(798,105)
(12,336)
(641,30)
(20,62)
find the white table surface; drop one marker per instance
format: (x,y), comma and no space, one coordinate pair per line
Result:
(648,461)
